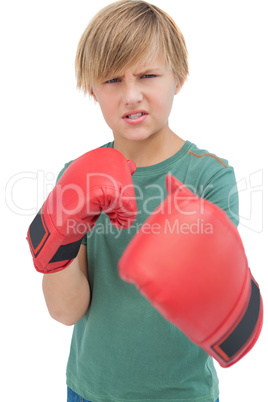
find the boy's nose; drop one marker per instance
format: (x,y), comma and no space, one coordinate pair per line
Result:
(131,95)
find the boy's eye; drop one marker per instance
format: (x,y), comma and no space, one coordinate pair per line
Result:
(112,81)
(148,76)
(115,80)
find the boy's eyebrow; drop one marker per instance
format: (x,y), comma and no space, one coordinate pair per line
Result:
(148,70)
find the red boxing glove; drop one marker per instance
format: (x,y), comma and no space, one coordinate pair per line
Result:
(99,180)
(189,261)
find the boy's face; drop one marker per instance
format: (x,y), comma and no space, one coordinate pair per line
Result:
(137,104)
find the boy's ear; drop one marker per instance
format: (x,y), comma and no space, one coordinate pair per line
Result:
(93,95)
(179,86)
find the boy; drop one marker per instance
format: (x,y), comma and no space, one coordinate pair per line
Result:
(132,60)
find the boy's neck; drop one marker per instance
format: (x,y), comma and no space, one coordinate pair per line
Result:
(150,151)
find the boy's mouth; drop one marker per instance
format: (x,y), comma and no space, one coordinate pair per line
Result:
(135,116)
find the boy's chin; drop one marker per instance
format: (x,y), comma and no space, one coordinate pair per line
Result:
(134,137)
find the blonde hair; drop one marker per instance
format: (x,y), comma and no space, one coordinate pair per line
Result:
(126,33)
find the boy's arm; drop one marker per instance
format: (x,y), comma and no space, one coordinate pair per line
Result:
(67,293)
(98,181)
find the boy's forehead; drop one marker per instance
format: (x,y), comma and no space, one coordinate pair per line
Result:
(156,63)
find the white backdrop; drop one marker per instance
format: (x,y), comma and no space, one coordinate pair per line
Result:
(46,122)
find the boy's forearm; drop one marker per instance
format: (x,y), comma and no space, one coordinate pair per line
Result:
(67,294)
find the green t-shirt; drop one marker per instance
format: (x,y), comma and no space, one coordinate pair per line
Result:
(123,349)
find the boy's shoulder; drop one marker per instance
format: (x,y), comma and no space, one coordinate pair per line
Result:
(200,156)
(213,178)
(204,166)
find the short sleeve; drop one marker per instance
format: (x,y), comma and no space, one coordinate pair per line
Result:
(84,240)
(221,189)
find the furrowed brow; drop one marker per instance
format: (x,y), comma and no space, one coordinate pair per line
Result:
(148,71)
